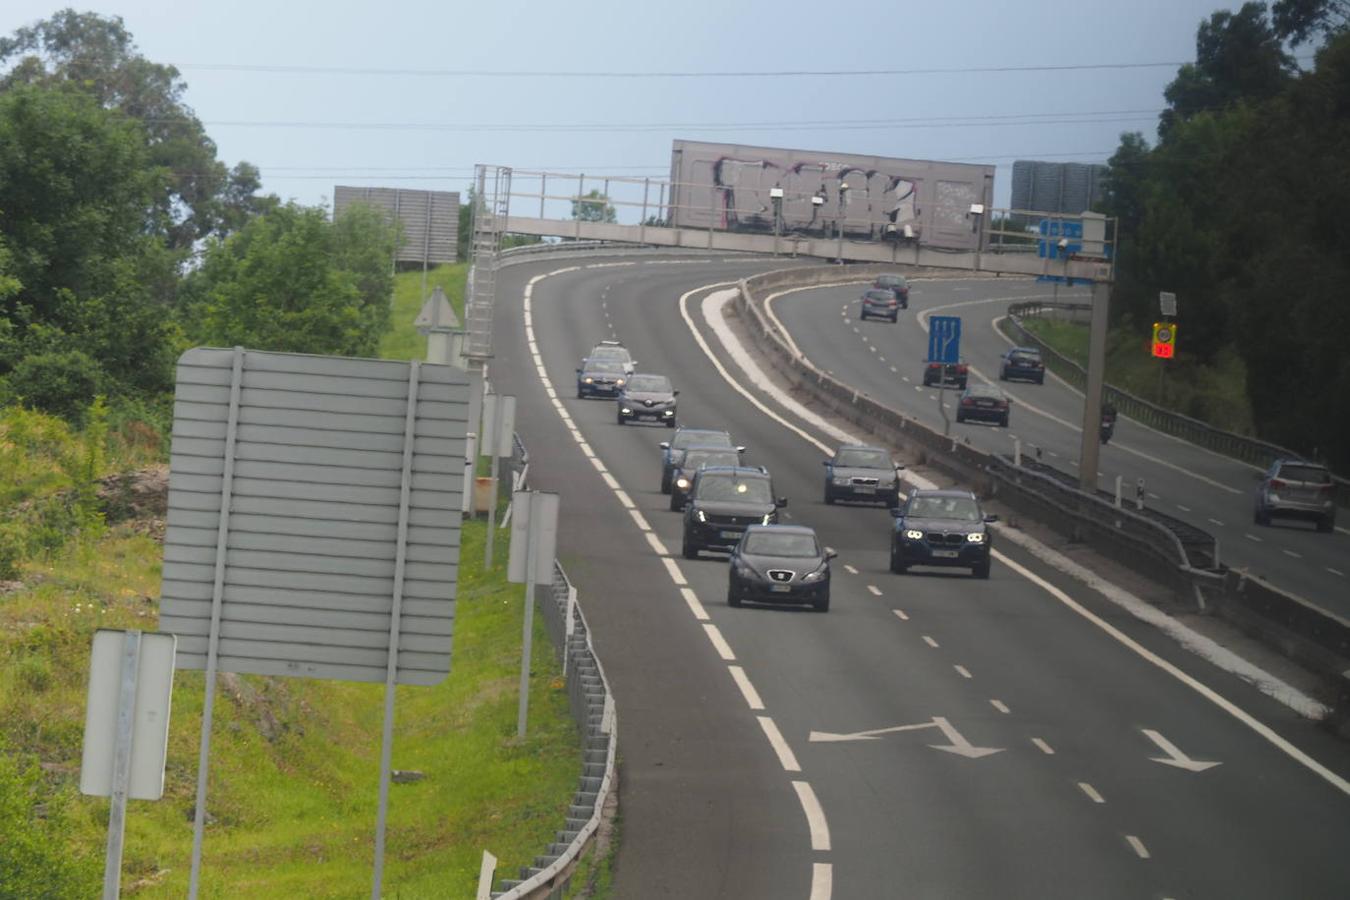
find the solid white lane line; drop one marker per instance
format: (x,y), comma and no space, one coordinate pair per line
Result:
(1000,706)
(1138,846)
(822,881)
(1292,553)
(672,567)
(626,500)
(1091,792)
(815,816)
(747,689)
(850,570)
(901,614)
(610,481)
(719,643)
(963,672)
(876,591)
(695,606)
(1043,746)
(930,642)
(1252,537)
(1204,690)
(639,520)
(780,746)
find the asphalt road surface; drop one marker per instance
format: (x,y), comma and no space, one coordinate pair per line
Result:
(776,752)
(1212,492)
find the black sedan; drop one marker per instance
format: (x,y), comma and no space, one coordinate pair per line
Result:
(941,528)
(600,378)
(780,564)
(649,397)
(897,285)
(984,403)
(1022,363)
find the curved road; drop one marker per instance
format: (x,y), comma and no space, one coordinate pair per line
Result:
(723,792)
(1210,491)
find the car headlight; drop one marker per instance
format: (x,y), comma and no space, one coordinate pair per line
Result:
(817,575)
(700,515)
(682,483)
(976,537)
(768,519)
(670,412)
(619,382)
(914,535)
(589,380)
(841,480)
(744,571)
(627,411)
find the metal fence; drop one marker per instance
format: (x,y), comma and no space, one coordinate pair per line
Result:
(1247,449)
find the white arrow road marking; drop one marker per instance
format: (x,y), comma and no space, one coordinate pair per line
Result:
(826,737)
(959,745)
(1174,756)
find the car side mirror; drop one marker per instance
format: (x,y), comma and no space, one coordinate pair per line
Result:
(674,393)
(830,554)
(578,371)
(782,502)
(740,449)
(991,518)
(824,462)
(665,445)
(897,512)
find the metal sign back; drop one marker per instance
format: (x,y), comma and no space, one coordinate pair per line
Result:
(150,728)
(944,339)
(315,472)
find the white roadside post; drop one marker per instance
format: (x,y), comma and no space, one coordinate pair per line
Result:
(499,425)
(534,539)
(1120,484)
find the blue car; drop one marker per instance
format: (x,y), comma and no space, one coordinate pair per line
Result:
(941,528)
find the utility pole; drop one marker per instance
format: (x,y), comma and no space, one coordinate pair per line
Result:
(1096,372)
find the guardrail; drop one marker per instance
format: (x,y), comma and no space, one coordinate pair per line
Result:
(592,707)
(1166,549)
(1247,449)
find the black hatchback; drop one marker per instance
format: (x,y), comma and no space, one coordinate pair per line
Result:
(879,303)
(723,502)
(1022,363)
(941,528)
(780,564)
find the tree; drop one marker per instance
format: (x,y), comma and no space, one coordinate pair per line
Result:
(1299,21)
(292,281)
(198,195)
(594,207)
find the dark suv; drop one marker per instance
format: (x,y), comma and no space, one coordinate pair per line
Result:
(723,502)
(672,451)
(949,374)
(1022,362)
(858,472)
(941,528)
(647,397)
(897,285)
(1297,489)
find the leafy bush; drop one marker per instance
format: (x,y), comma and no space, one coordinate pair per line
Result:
(61,383)
(36,859)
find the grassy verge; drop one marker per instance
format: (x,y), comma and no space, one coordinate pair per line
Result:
(1215,393)
(403,341)
(294,765)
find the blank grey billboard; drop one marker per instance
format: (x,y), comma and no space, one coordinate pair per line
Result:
(429,219)
(1056,186)
(727,187)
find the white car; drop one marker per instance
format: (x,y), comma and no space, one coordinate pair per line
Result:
(613,350)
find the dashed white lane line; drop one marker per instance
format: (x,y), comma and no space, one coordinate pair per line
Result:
(900,613)
(672,567)
(1183,508)
(1138,846)
(894,369)
(639,520)
(780,746)
(1216,522)
(626,500)
(1335,571)
(930,642)
(815,816)
(1252,537)
(695,606)
(1091,792)
(1000,706)
(963,671)
(822,881)
(599,466)
(747,689)
(850,570)
(1043,747)
(610,481)
(876,591)
(719,643)
(1292,553)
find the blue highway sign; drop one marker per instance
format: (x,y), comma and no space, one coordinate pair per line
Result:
(944,339)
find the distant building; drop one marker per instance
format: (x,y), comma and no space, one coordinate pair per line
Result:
(1056,187)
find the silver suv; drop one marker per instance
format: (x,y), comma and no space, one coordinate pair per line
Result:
(1297,489)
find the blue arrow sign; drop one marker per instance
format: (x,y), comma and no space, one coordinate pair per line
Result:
(944,339)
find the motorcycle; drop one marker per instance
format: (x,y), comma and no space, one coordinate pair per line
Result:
(1108,428)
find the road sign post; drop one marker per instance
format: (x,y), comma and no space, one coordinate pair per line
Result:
(534,539)
(1090,447)
(944,346)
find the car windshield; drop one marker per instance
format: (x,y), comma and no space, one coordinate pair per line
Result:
(695,458)
(863,459)
(603,366)
(688,438)
(984,390)
(891,280)
(1314,474)
(1025,356)
(614,353)
(730,487)
(964,509)
(880,295)
(652,384)
(769,543)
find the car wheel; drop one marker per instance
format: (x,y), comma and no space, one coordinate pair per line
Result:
(829,496)
(689,550)
(894,319)
(1262,518)
(1326,524)
(823,604)
(733,597)
(622,420)
(670,423)
(665,482)
(1002,374)
(862,317)
(960,418)
(981,570)
(581,395)
(1041,380)
(897,566)
(675,504)
(1003,422)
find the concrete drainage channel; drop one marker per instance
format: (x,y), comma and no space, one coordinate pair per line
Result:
(592,707)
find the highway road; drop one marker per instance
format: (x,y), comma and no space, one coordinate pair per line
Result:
(932,735)
(1212,492)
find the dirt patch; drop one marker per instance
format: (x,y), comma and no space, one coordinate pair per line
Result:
(137,495)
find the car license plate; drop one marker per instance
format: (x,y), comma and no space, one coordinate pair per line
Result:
(946,554)
(864,490)
(780,588)
(731,535)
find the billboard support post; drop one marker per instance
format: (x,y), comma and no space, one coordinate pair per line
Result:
(1092,401)
(117,813)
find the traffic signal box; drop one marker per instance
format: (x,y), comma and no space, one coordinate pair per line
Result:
(1164,339)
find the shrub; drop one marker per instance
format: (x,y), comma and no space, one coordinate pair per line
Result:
(62,383)
(36,860)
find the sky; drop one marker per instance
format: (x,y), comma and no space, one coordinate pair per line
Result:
(371,94)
